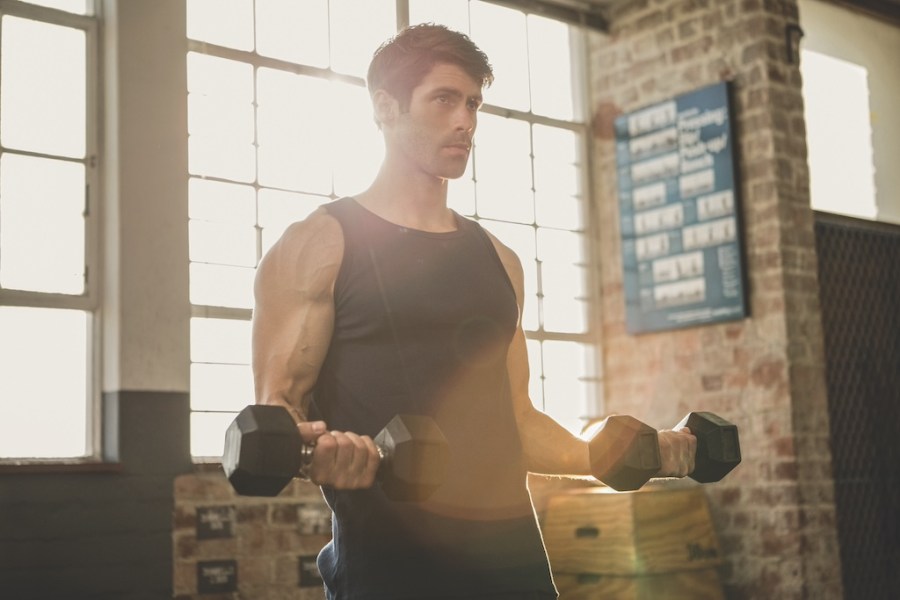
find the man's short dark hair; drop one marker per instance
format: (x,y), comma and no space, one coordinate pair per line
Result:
(402,62)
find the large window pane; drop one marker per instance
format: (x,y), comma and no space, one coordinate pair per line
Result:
(220,285)
(563,280)
(221,22)
(41,224)
(43,382)
(42,87)
(222,243)
(221,202)
(78,7)
(293,31)
(839,135)
(503,169)
(550,65)
(508,52)
(294,129)
(208,432)
(461,192)
(220,118)
(557,177)
(220,77)
(357,28)
(225,341)
(568,377)
(221,387)
(452,13)
(221,381)
(563,302)
(357,144)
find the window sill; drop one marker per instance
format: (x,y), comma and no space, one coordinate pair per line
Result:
(57,465)
(207,465)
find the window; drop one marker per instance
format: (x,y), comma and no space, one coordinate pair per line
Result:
(850,88)
(280,122)
(839,135)
(47,231)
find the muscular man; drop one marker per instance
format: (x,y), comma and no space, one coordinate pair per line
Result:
(389,302)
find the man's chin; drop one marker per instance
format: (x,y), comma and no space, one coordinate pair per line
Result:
(454,172)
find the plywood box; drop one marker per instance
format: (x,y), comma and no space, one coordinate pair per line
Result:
(700,584)
(652,531)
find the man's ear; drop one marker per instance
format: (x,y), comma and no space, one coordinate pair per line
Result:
(386,107)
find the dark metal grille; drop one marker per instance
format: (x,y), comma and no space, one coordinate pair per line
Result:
(859,276)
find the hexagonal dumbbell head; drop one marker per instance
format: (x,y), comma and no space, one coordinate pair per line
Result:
(718,446)
(262,450)
(415,455)
(624,453)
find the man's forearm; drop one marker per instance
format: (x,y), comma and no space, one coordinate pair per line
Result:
(549,449)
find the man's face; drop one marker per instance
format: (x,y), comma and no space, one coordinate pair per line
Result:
(435,134)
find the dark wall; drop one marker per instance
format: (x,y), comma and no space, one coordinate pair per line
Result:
(859,275)
(100,535)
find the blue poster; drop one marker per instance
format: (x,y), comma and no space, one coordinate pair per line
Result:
(682,252)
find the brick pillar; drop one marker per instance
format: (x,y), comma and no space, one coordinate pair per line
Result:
(775,513)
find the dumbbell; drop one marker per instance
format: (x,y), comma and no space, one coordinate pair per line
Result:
(264,452)
(624,452)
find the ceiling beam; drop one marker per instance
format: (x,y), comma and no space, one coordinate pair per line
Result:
(883,9)
(587,15)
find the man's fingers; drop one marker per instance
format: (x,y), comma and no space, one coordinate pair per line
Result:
(310,431)
(344,460)
(363,462)
(324,456)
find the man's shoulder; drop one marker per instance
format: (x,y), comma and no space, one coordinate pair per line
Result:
(319,228)
(306,246)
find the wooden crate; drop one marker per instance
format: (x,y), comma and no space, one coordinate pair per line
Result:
(652,531)
(702,584)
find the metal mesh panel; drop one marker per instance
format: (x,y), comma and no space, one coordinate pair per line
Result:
(859,275)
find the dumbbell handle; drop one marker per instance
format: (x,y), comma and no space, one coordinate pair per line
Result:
(412,465)
(307,451)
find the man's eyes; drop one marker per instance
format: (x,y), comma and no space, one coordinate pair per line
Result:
(472,104)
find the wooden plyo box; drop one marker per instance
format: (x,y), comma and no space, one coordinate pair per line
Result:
(702,584)
(658,542)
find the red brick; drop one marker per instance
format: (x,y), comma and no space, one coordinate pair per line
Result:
(284,514)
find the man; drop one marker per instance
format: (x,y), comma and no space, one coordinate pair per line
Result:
(389,302)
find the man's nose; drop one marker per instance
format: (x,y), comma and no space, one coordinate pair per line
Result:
(465,120)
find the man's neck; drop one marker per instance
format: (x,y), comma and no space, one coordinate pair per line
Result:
(412,200)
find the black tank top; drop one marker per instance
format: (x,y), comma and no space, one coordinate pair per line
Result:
(422,325)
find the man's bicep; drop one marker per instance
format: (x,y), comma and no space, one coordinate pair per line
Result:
(289,346)
(294,314)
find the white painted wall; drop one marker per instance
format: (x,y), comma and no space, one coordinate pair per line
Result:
(874,44)
(146,306)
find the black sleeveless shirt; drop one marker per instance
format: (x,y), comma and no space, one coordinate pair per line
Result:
(422,325)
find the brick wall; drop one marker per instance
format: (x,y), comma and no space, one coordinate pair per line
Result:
(775,513)
(228,546)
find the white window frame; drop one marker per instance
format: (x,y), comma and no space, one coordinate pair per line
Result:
(579,124)
(89,300)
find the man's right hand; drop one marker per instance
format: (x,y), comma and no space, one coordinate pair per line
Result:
(341,460)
